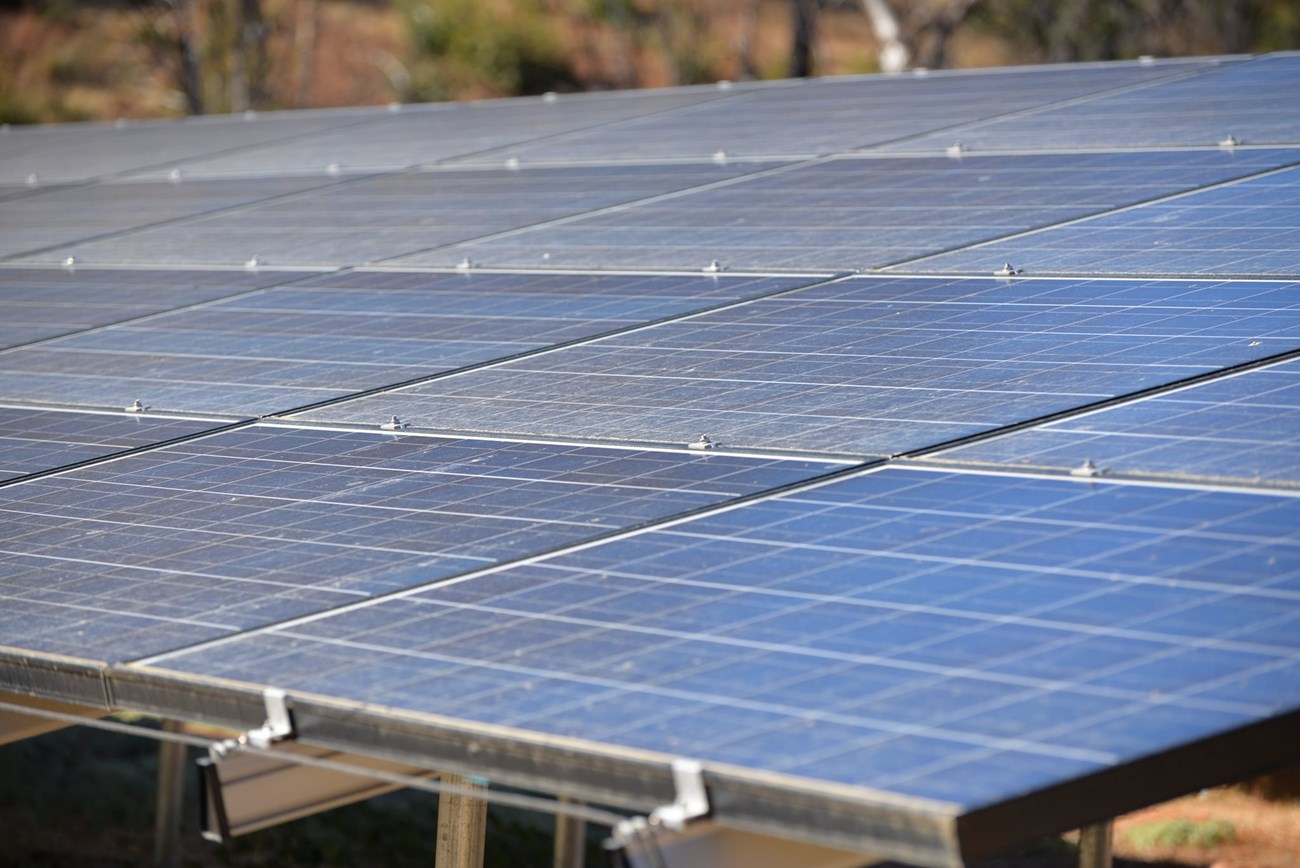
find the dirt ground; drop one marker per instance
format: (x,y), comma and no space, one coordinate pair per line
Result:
(1267,832)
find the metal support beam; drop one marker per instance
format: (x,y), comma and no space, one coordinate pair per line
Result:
(1095,845)
(570,840)
(171,799)
(462,825)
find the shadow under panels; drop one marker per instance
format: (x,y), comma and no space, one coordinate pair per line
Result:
(1255,102)
(821,116)
(856,212)
(41,303)
(1242,429)
(360,220)
(292,346)
(218,534)
(903,643)
(862,366)
(1247,228)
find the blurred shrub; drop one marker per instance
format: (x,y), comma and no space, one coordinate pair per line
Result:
(474,48)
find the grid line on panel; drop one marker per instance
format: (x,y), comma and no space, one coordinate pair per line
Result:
(913,262)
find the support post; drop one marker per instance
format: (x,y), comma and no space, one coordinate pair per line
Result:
(462,825)
(570,840)
(171,795)
(1095,845)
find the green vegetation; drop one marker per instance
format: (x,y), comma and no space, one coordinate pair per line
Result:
(500,48)
(1167,834)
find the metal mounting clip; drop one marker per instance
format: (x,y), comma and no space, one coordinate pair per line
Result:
(691,803)
(278,727)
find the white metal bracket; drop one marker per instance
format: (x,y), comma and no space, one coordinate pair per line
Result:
(691,803)
(278,727)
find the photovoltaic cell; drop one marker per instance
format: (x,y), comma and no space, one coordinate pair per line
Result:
(953,636)
(1256,102)
(864,366)
(41,303)
(370,219)
(1243,429)
(292,346)
(33,440)
(60,217)
(822,116)
(243,528)
(862,212)
(1248,228)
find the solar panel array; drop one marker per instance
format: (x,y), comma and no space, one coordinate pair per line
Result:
(899,482)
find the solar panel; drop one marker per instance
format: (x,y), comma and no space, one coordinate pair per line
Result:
(33,440)
(1247,228)
(1240,429)
(242,528)
(369,219)
(822,116)
(41,303)
(1257,102)
(292,346)
(959,637)
(858,212)
(34,224)
(870,596)
(420,135)
(81,152)
(864,366)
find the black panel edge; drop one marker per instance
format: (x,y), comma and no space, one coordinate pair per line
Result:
(69,679)
(637,781)
(1235,755)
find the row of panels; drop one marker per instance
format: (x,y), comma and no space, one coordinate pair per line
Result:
(804,118)
(956,637)
(861,367)
(846,213)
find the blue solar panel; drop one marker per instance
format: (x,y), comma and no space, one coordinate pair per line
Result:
(289,347)
(81,152)
(1257,102)
(1243,429)
(33,440)
(33,224)
(214,535)
(954,636)
(361,220)
(1248,228)
(822,116)
(866,366)
(425,134)
(41,303)
(859,212)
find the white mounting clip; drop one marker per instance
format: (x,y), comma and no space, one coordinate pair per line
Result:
(278,727)
(691,803)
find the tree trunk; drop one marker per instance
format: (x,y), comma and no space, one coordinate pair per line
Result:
(190,81)
(804,39)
